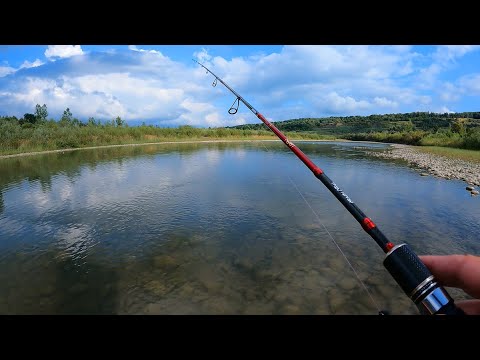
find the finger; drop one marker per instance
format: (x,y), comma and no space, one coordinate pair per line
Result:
(470,307)
(460,271)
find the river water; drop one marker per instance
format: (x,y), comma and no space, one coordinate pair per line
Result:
(217,228)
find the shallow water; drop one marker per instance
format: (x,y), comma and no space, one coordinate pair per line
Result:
(217,228)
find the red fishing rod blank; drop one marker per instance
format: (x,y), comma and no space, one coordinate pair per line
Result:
(402,263)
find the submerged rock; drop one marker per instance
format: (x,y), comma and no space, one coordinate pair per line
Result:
(156,287)
(347,283)
(470,188)
(166,262)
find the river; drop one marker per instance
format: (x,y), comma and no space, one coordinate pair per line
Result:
(218,228)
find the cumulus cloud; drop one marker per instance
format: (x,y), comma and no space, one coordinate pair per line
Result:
(296,81)
(134,87)
(62,51)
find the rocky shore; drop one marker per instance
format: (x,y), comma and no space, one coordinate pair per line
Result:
(436,165)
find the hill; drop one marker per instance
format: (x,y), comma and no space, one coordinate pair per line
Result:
(424,121)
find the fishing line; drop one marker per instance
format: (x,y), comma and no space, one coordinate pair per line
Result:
(375,304)
(406,268)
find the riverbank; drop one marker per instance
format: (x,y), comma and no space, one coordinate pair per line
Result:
(16,139)
(160,143)
(437,165)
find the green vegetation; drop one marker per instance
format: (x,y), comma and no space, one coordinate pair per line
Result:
(469,155)
(34,132)
(459,130)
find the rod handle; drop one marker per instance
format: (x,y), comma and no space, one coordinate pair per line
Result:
(418,283)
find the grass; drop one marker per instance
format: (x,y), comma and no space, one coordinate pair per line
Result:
(463,154)
(15,139)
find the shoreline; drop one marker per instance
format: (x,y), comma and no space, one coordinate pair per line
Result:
(435,165)
(168,142)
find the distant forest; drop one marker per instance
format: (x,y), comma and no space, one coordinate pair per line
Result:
(457,130)
(337,125)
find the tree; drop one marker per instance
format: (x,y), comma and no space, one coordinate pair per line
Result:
(76,122)
(67,117)
(91,121)
(458,127)
(41,112)
(119,122)
(30,118)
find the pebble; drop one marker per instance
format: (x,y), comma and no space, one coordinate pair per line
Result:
(436,165)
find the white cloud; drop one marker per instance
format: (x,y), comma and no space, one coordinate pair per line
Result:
(297,81)
(384,102)
(406,69)
(444,110)
(444,58)
(5,70)
(303,74)
(135,48)
(202,55)
(448,53)
(62,51)
(428,76)
(27,64)
(335,103)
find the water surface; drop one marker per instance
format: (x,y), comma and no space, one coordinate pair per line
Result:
(217,228)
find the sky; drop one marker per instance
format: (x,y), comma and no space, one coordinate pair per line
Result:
(161,85)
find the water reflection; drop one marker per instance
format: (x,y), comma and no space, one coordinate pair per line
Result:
(215,229)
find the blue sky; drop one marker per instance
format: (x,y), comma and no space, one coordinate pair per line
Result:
(161,85)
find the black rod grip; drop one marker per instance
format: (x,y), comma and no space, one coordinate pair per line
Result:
(418,282)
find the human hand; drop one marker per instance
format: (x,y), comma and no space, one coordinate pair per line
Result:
(458,271)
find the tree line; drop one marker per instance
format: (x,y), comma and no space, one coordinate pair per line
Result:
(40,117)
(459,130)
(425,121)
(36,131)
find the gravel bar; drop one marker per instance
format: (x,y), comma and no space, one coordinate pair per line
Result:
(436,165)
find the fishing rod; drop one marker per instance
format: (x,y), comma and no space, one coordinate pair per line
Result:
(402,263)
